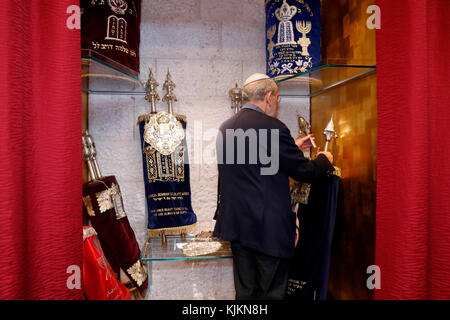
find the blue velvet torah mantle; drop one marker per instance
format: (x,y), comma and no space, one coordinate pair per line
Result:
(309,270)
(293,36)
(167,187)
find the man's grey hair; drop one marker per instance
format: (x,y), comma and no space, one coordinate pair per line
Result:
(256,91)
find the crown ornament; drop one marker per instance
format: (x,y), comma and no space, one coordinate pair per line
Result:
(285,12)
(118,6)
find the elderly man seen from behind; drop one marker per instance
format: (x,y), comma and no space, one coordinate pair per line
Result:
(256,156)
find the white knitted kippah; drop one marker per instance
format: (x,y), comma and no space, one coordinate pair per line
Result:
(255,77)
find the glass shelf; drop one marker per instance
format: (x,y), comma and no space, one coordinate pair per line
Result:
(101,75)
(324,77)
(174,250)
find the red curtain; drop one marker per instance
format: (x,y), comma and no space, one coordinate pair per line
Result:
(40,150)
(413,193)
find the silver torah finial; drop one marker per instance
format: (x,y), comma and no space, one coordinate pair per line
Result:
(163,131)
(236,98)
(87,156)
(169,97)
(90,156)
(304,128)
(329,133)
(152,96)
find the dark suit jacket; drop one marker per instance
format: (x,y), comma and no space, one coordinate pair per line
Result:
(255,209)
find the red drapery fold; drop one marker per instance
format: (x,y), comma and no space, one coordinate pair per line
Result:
(40,150)
(413,207)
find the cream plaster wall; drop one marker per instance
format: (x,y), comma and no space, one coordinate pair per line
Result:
(208,45)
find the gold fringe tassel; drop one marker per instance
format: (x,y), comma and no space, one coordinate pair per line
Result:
(337,171)
(172,231)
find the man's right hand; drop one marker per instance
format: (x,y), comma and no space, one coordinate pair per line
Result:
(328,155)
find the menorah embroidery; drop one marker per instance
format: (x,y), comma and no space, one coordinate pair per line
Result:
(304,28)
(117,29)
(270,33)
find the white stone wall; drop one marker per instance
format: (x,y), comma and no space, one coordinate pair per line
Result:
(208,45)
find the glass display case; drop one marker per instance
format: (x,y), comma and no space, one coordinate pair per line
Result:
(330,74)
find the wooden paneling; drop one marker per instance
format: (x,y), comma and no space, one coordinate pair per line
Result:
(354,110)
